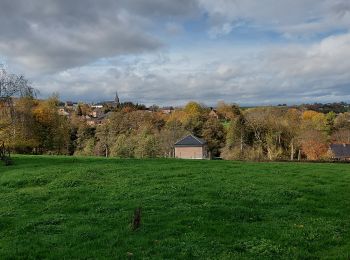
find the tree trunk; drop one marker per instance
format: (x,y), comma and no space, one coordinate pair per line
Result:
(292,151)
(241,142)
(279,139)
(299,155)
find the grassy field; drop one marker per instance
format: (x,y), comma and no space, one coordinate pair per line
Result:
(66,207)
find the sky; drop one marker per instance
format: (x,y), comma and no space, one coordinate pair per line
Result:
(166,52)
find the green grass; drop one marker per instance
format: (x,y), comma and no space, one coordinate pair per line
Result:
(67,207)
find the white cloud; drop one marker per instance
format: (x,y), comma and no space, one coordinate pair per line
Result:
(86,50)
(275,74)
(292,18)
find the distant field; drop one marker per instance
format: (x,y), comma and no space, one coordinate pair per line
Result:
(66,207)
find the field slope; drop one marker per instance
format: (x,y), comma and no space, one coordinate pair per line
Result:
(66,207)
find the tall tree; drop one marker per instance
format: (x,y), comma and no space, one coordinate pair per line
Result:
(53,130)
(214,133)
(194,118)
(314,144)
(227,111)
(104,138)
(169,134)
(293,122)
(11,86)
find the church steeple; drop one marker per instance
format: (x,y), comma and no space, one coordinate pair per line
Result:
(116,100)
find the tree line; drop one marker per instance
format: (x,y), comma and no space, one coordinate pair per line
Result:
(265,133)
(32,126)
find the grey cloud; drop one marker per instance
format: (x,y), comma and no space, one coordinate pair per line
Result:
(162,8)
(62,37)
(288,74)
(54,35)
(341,8)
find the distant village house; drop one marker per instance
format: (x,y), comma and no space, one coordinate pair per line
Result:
(71,105)
(213,113)
(63,112)
(167,110)
(97,112)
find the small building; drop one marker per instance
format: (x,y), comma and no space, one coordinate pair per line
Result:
(167,110)
(114,104)
(98,105)
(213,113)
(94,122)
(191,147)
(340,152)
(71,105)
(63,112)
(97,121)
(97,112)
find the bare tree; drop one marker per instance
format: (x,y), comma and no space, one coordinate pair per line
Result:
(11,86)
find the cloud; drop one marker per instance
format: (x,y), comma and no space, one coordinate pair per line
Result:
(170,52)
(54,35)
(290,74)
(297,18)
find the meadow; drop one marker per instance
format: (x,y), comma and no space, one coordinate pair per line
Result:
(82,208)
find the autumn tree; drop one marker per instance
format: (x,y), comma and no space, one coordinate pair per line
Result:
(85,139)
(313,134)
(104,138)
(52,129)
(341,136)
(314,120)
(227,111)
(169,134)
(341,133)
(147,146)
(124,146)
(293,129)
(236,134)
(256,121)
(24,138)
(342,121)
(213,132)
(194,118)
(330,122)
(265,133)
(314,144)
(11,86)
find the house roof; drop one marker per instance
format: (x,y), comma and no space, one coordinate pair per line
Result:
(190,140)
(341,150)
(167,108)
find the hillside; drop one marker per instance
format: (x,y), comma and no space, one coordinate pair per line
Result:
(55,207)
